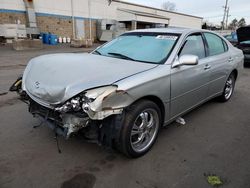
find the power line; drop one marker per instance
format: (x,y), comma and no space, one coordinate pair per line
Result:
(217,16)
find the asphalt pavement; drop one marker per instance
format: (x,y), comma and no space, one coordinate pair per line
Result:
(214,141)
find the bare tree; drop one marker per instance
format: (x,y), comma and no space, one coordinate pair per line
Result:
(242,22)
(234,24)
(109,2)
(170,6)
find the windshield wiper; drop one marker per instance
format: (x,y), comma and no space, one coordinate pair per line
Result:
(97,52)
(121,55)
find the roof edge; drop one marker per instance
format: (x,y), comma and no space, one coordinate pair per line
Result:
(143,14)
(145,6)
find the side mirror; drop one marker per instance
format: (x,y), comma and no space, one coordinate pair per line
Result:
(186,60)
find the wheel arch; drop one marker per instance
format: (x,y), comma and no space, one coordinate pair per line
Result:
(157,101)
(235,72)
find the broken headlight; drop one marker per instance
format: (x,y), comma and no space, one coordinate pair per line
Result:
(73,105)
(83,100)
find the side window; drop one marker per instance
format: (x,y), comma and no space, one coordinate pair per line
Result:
(215,44)
(193,46)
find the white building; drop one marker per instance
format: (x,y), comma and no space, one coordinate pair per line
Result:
(57,16)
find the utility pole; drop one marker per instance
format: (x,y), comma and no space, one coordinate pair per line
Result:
(90,21)
(73,19)
(227,18)
(225,14)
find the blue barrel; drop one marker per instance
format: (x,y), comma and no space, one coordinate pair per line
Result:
(53,39)
(45,38)
(41,36)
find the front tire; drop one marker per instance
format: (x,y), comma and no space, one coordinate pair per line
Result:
(228,89)
(140,128)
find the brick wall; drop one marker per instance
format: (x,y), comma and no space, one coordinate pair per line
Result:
(59,26)
(11,18)
(56,25)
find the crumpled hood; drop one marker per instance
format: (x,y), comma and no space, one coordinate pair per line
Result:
(56,78)
(243,34)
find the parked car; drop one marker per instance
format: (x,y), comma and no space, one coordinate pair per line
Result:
(243,34)
(122,93)
(232,38)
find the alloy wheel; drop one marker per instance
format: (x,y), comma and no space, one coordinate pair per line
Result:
(144,130)
(229,87)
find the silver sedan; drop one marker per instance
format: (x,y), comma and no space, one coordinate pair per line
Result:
(122,93)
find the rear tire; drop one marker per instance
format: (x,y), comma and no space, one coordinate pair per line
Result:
(228,89)
(246,64)
(140,128)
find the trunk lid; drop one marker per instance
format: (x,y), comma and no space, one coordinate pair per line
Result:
(243,34)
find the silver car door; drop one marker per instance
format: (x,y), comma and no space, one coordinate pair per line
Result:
(219,60)
(189,84)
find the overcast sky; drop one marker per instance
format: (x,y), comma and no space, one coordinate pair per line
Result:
(210,10)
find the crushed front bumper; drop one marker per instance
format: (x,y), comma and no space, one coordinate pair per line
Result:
(52,125)
(62,124)
(88,121)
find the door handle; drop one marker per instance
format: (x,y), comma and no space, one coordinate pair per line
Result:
(207,67)
(230,59)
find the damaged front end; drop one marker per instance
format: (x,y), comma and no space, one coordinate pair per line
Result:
(85,111)
(64,124)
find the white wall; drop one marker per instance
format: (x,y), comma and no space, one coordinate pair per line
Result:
(61,7)
(12,4)
(99,9)
(179,20)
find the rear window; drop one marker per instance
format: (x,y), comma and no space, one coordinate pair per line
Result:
(216,45)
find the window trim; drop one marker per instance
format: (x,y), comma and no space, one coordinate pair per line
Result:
(226,48)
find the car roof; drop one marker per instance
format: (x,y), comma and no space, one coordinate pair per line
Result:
(177,30)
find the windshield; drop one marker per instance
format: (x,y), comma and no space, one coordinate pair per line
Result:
(143,47)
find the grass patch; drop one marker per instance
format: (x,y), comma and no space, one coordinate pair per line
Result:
(214,180)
